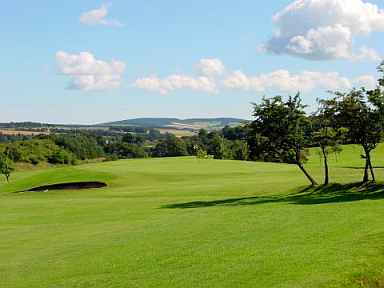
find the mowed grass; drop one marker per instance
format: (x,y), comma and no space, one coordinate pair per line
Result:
(185,222)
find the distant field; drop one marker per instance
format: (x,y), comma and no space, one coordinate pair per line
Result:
(177,132)
(185,222)
(21,133)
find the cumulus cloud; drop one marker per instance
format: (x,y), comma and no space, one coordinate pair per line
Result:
(211,67)
(214,77)
(175,82)
(368,54)
(286,82)
(367,81)
(88,73)
(99,17)
(205,81)
(325,29)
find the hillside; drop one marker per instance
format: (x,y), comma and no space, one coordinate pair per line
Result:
(175,123)
(184,222)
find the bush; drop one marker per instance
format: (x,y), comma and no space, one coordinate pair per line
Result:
(61,157)
(34,160)
(83,146)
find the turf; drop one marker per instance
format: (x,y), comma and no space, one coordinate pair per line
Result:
(185,222)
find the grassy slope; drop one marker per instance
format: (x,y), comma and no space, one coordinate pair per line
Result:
(190,223)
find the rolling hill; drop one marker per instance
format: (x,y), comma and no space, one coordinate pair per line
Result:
(192,124)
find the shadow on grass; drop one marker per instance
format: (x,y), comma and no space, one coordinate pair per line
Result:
(362,168)
(334,193)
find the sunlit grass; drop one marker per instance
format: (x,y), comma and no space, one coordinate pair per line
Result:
(194,223)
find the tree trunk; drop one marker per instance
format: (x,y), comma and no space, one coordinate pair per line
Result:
(309,177)
(7,177)
(370,166)
(326,168)
(366,176)
(366,173)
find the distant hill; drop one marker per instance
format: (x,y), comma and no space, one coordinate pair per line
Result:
(180,124)
(179,127)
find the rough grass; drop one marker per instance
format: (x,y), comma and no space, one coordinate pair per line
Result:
(194,223)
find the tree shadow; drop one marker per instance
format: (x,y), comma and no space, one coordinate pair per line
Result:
(361,167)
(333,193)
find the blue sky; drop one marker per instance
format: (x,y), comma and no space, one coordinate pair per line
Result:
(156,40)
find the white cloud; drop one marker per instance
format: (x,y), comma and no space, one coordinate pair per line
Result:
(88,73)
(99,17)
(367,81)
(286,82)
(175,82)
(205,81)
(325,29)
(211,67)
(369,54)
(212,79)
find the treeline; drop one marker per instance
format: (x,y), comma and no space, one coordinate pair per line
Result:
(75,146)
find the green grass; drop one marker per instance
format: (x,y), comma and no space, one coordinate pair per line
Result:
(194,223)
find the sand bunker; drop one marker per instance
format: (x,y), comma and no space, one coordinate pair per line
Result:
(69,186)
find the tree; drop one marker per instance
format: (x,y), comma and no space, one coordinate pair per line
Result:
(296,123)
(171,146)
(126,150)
(6,166)
(203,136)
(240,150)
(219,147)
(235,133)
(266,136)
(278,132)
(361,112)
(82,145)
(381,70)
(129,138)
(327,135)
(133,139)
(200,152)
(61,156)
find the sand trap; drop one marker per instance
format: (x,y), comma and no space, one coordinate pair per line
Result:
(69,186)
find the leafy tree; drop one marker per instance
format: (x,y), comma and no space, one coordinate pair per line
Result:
(192,142)
(154,134)
(14,153)
(129,138)
(203,136)
(327,135)
(219,147)
(133,139)
(171,146)
(82,145)
(200,152)
(240,150)
(296,124)
(361,112)
(381,70)
(61,157)
(6,166)
(266,132)
(126,150)
(235,133)
(278,132)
